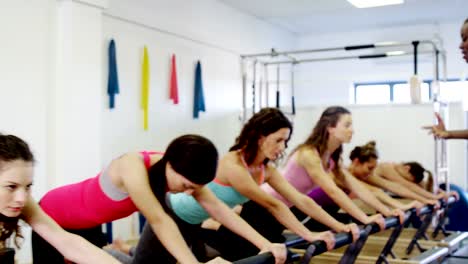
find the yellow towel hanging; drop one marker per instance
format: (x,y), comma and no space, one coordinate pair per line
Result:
(145,77)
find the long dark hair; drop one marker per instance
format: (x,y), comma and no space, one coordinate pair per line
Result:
(193,156)
(263,123)
(417,170)
(12,148)
(319,137)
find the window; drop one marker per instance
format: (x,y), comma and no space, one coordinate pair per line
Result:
(372,94)
(398,92)
(401,93)
(454,91)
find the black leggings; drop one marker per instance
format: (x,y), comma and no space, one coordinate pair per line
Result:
(233,247)
(314,225)
(151,250)
(44,253)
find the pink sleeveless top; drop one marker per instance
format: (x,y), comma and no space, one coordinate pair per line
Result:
(298,177)
(85,204)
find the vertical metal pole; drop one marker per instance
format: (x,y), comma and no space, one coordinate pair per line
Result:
(437,53)
(415,56)
(439,144)
(253,86)
(293,103)
(260,88)
(244,91)
(444,76)
(267,86)
(278,86)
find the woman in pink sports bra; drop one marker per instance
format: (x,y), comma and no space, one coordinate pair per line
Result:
(135,182)
(323,147)
(16,203)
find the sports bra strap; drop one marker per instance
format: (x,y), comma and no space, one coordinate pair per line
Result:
(147,157)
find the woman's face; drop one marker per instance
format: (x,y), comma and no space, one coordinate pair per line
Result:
(178,183)
(15,185)
(464,41)
(343,131)
(363,170)
(273,145)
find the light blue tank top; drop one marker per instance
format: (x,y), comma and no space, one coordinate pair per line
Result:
(189,210)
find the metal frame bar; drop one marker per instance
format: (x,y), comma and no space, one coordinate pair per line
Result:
(341,239)
(333,58)
(440,164)
(293,60)
(275,53)
(317,247)
(387,249)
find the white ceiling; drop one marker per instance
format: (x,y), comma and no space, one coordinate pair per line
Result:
(319,16)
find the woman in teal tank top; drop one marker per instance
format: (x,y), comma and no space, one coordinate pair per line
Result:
(248,164)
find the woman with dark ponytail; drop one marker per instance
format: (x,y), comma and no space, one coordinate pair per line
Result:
(363,164)
(135,182)
(408,177)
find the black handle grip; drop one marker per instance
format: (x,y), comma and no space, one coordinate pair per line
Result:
(267,258)
(293,105)
(373,56)
(368,46)
(277,99)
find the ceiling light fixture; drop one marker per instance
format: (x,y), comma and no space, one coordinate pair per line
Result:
(374,3)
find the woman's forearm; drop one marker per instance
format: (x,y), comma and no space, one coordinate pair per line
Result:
(316,212)
(236,224)
(78,250)
(386,199)
(282,213)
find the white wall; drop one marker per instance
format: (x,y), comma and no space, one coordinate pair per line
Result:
(75,104)
(204,30)
(24,82)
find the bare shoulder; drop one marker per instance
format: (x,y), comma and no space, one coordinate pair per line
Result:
(270,170)
(231,160)
(230,164)
(124,158)
(307,155)
(155,157)
(383,167)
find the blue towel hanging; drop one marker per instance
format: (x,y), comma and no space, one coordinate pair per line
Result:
(113,81)
(198,99)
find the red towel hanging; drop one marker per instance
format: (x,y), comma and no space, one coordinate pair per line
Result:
(173,90)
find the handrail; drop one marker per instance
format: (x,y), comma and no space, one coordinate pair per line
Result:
(341,239)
